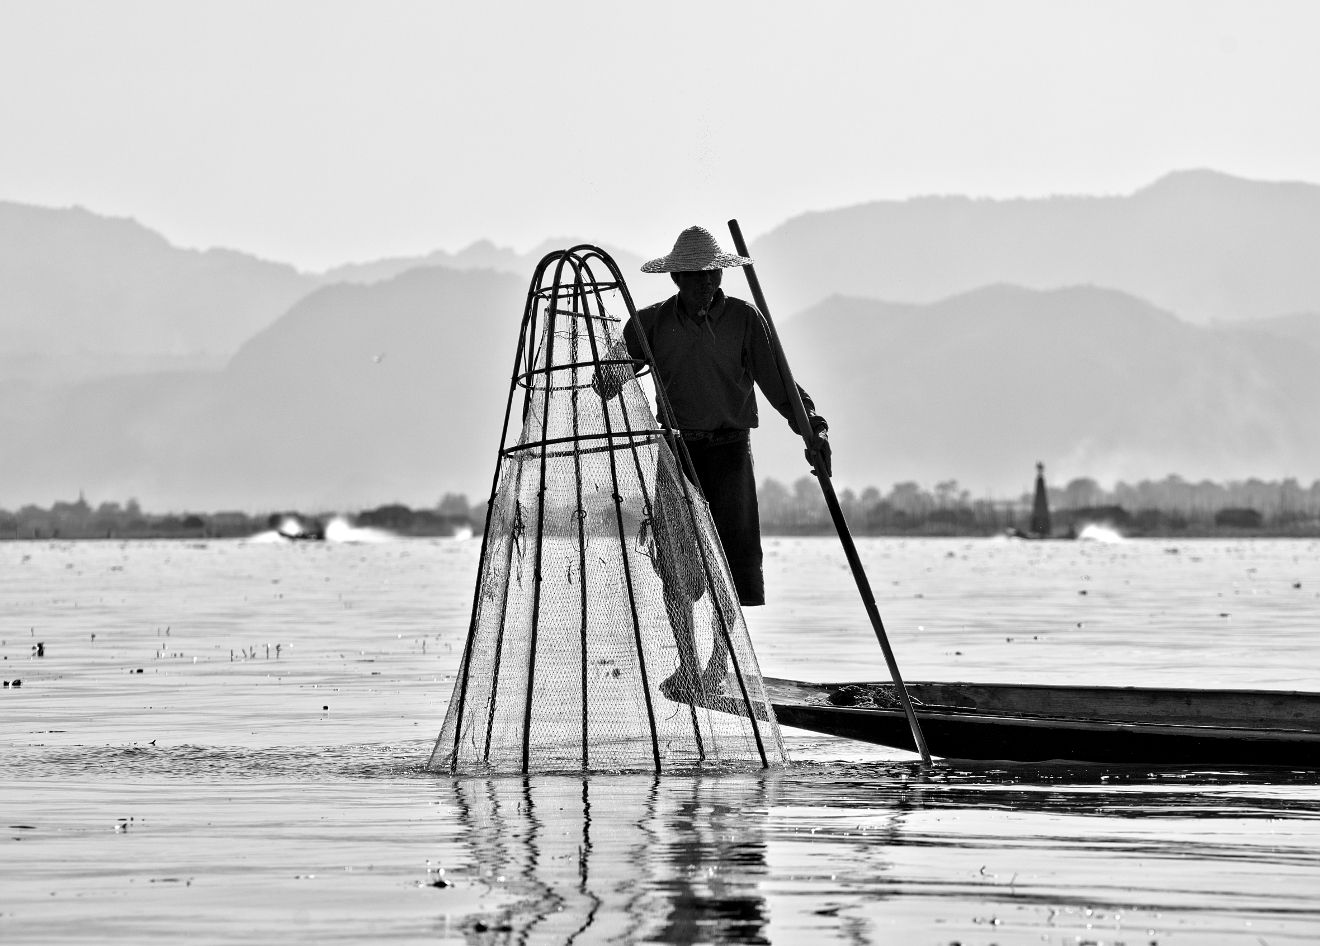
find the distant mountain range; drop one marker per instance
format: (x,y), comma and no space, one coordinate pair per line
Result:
(83,295)
(393,390)
(480,255)
(1091,381)
(944,339)
(1204,245)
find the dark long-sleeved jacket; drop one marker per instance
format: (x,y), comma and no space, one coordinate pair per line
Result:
(710,366)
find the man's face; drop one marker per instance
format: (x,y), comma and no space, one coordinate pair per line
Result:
(697,290)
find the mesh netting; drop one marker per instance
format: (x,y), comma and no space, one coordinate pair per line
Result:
(605,632)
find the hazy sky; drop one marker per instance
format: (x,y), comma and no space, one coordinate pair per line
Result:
(323,131)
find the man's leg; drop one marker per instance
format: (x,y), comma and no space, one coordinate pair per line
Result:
(679,608)
(728,481)
(682,583)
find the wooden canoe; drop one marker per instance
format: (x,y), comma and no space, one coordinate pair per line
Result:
(1035,723)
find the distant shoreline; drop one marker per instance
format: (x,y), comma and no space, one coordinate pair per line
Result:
(1172,509)
(1311,531)
(67,522)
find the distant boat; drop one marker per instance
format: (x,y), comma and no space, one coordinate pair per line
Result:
(296,527)
(1036,723)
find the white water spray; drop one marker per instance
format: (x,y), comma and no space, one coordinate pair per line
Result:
(1098,532)
(340,529)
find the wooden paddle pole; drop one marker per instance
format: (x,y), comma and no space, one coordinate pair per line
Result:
(831,500)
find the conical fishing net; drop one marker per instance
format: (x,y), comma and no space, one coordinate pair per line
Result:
(605,631)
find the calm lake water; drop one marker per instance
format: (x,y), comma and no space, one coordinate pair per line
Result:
(223,742)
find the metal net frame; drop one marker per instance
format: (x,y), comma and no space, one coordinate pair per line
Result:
(606,633)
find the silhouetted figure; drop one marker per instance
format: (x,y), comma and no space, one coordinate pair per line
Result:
(711,352)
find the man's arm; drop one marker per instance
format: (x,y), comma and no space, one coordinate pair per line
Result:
(765,370)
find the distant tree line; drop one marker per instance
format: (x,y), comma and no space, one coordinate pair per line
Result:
(1168,507)
(1171,506)
(449,516)
(111,520)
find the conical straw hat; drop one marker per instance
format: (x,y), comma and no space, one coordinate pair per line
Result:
(695,250)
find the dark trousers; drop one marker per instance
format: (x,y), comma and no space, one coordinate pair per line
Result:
(723,464)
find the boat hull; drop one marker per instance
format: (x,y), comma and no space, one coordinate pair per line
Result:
(1026,723)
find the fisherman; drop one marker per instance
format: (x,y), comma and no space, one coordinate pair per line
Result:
(710,350)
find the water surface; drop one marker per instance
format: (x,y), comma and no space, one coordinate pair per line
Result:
(222,742)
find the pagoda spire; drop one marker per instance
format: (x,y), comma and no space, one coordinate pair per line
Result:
(1040,506)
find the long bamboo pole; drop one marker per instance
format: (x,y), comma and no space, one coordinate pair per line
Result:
(831,500)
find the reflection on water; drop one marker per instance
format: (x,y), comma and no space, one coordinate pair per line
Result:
(840,854)
(621,859)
